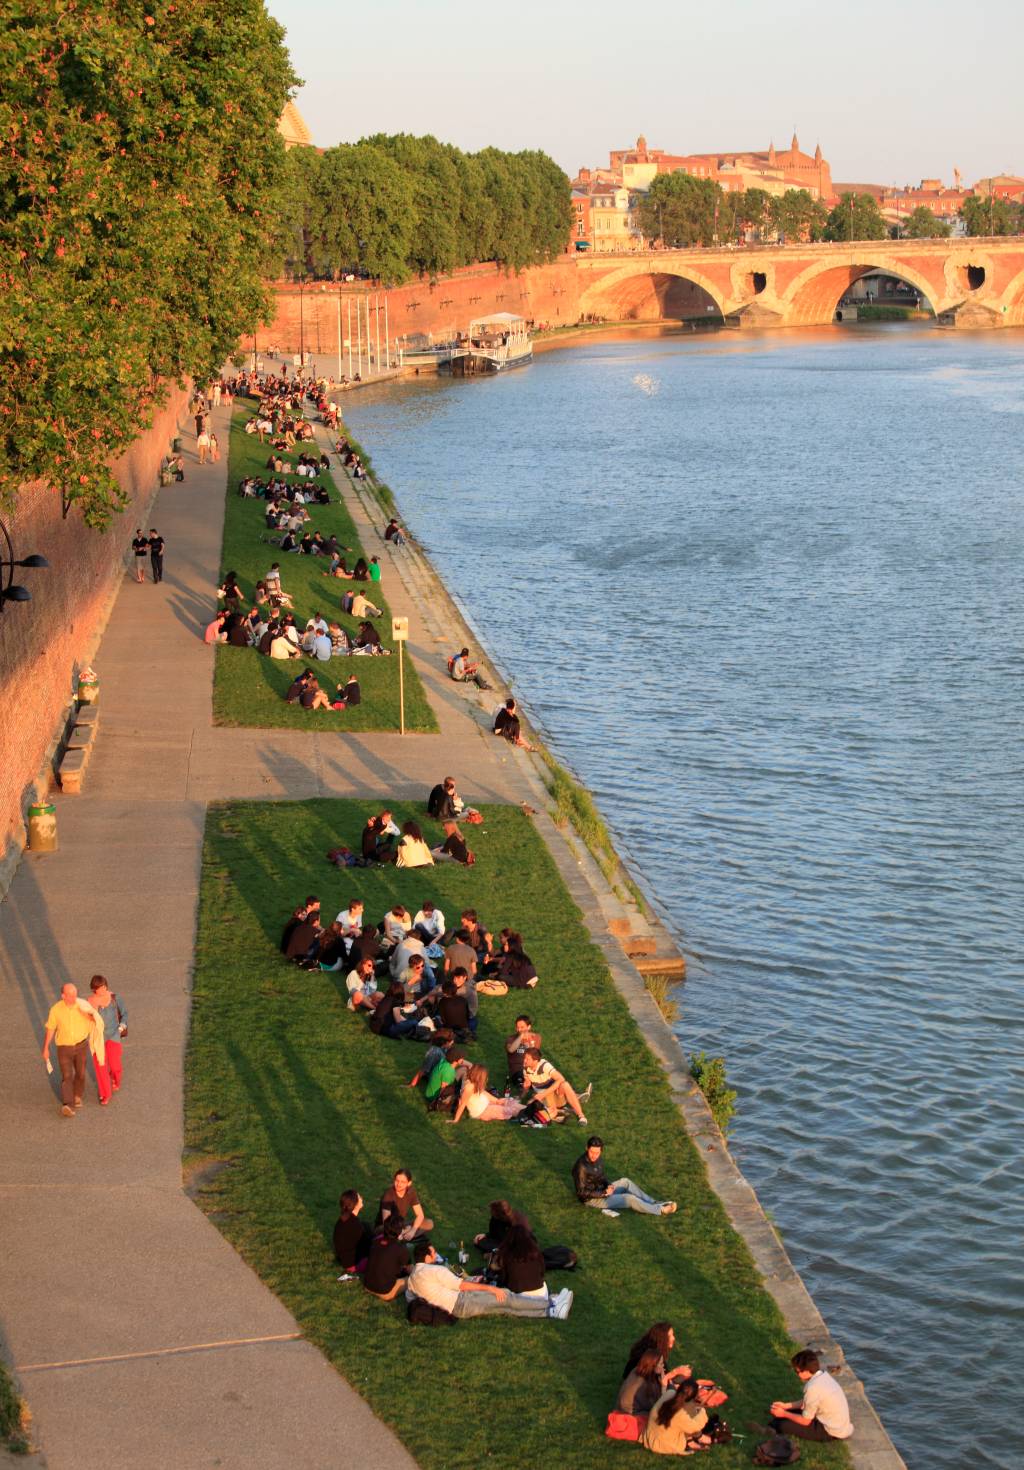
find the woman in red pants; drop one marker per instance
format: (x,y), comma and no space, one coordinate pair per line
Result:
(114,1015)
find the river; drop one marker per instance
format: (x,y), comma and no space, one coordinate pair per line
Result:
(762,593)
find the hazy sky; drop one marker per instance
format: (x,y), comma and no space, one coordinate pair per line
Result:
(895,91)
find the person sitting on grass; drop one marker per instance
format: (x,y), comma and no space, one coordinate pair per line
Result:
(368,640)
(502,1218)
(313,697)
(294,691)
(523,1039)
(823,1413)
(545,1086)
(361,984)
(388,1260)
(463,671)
(300,933)
(351,692)
(432,1282)
(394,1016)
(479,1102)
(379,839)
(453,1007)
(366,945)
(374,570)
(506,724)
(675,1421)
(445,1076)
(430,920)
(435,1053)
(214,631)
(454,848)
(660,1338)
(514,966)
(332,953)
(397,921)
(341,643)
(400,1199)
(413,852)
(281,646)
(351,919)
(361,607)
(643,1385)
(360,572)
(352,1236)
(519,1261)
(593,1187)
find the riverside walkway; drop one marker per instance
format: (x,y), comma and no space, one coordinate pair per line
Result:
(157,1313)
(114,1288)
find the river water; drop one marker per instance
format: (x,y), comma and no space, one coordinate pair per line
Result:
(763,595)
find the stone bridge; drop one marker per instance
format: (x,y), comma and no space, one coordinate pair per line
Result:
(967,282)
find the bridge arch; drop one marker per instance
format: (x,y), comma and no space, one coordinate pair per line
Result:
(812,298)
(655,290)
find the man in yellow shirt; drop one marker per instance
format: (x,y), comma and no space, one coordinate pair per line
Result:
(70,1027)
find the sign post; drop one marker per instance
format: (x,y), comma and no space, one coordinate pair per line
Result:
(399,633)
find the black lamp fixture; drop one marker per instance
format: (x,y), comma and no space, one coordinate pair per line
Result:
(10,591)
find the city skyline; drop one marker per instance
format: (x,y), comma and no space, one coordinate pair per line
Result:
(885,96)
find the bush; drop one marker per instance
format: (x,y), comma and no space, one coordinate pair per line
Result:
(660,988)
(709,1075)
(12,1415)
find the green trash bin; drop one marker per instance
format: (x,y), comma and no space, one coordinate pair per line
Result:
(42,827)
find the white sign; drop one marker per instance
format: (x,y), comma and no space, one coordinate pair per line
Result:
(399,630)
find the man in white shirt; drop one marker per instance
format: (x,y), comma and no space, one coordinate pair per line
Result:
(549,1087)
(823,1413)
(361,608)
(431,920)
(434,1283)
(351,919)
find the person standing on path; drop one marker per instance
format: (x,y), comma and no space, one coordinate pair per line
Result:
(140,547)
(114,1015)
(156,554)
(202,444)
(71,1027)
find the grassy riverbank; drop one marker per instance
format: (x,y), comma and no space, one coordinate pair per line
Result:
(248,688)
(299,1100)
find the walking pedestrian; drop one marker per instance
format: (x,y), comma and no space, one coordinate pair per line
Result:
(214,447)
(202,444)
(113,1013)
(140,546)
(71,1027)
(156,554)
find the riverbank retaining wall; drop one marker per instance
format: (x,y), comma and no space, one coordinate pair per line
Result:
(44,643)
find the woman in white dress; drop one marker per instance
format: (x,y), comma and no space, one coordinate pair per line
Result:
(476,1100)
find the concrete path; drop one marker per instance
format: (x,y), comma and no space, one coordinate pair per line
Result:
(140,1337)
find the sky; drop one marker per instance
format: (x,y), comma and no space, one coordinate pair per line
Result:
(894,92)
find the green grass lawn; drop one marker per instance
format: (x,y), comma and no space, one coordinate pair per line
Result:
(248,688)
(303,1101)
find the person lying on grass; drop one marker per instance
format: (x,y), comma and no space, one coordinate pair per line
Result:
(432,1282)
(352,1236)
(400,1199)
(545,1087)
(454,848)
(480,1103)
(593,1187)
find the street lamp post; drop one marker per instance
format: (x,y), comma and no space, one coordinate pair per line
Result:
(10,591)
(302,323)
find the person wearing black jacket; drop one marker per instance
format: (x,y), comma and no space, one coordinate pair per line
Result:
(442,803)
(352,1237)
(593,1187)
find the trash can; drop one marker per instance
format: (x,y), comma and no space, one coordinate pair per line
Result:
(176,444)
(42,827)
(88,687)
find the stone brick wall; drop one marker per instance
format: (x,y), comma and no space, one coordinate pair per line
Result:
(545,293)
(43,643)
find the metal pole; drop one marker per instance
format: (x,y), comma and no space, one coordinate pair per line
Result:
(359,340)
(337,302)
(348,335)
(387,334)
(376,301)
(401,689)
(302,326)
(369,348)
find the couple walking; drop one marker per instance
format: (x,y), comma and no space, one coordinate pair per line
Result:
(98,1026)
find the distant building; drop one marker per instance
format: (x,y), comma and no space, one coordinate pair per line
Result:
(612,223)
(771,169)
(1002,186)
(579,202)
(292,127)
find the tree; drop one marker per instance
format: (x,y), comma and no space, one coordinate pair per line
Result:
(855,217)
(753,210)
(681,210)
(922,224)
(798,216)
(985,216)
(363,213)
(138,210)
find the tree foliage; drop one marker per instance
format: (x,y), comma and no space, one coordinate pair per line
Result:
(984,216)
(137,187)
(856,217)
(923,224)
(397,206)
(681,210)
